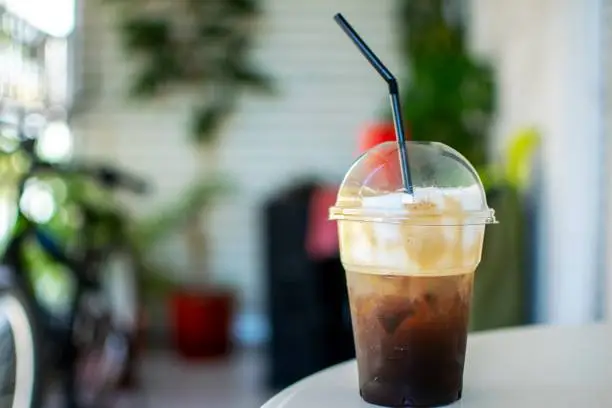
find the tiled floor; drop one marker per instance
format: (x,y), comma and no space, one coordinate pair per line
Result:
(169,382)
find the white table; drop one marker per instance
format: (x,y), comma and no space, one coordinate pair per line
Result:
(519,368)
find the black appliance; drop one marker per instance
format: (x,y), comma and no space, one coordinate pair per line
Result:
(307,300)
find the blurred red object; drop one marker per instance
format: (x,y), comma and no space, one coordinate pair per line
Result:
(384,166)
(202,323)
(376,134)
(322,234)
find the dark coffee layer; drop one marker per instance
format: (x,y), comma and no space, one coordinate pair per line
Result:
(410,336)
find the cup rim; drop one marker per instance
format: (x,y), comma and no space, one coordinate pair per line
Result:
(390,216)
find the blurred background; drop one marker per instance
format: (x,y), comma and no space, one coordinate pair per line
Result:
(243,116)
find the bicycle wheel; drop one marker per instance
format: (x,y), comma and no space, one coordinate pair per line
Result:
(19,371)
(120,284)
(100,355)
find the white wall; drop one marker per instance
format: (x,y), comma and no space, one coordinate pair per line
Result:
(607,76)
(546,55)
(548,59)
(327,93)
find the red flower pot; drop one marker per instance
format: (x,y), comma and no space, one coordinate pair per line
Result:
(202,323)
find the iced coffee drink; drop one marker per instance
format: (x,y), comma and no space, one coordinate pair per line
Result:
(411,347)
(410,262)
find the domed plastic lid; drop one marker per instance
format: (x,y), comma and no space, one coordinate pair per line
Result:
(447,189)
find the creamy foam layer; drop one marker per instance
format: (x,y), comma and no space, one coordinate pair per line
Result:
(404,249)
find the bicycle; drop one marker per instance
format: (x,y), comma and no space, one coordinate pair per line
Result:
(16,348)
(84,344)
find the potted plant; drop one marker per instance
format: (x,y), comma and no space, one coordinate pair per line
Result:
(501,294)
(449,97)
(201,312)
(203,45)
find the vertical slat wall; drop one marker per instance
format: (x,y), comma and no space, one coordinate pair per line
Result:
(327,93)
(606,46)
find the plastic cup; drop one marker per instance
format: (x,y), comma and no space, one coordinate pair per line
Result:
(410,262)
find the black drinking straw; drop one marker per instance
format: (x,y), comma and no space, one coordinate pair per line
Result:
(393,94)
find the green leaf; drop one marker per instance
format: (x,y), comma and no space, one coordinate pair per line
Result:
(490,176)
(519,157)
(214,32)
(253,79)
(155,280)
(146,84)
(241,72)
(245,7)
(207,122)
(142,34)
(155,74)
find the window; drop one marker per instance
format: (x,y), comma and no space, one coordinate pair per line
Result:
(54,17)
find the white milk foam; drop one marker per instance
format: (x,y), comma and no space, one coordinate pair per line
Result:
(393,249)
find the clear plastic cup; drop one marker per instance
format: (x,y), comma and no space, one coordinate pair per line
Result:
(410,262)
